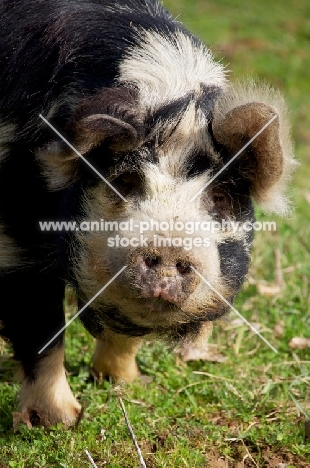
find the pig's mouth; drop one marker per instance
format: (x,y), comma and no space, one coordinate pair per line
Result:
(163,303)
(159,304)
(159,313)
(158,316)
(163,292)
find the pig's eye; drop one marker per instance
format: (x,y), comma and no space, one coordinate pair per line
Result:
(128,183)
(219,198)
(220,204)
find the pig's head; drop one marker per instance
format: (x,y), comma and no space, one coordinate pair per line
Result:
(168,163)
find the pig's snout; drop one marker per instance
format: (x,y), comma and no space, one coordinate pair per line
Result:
(165,275)
(170,279)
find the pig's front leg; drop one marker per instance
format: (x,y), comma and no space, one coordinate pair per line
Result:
(115,357)
(46,398)
(32,316)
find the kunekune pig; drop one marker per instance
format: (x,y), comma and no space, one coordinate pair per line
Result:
(144,102)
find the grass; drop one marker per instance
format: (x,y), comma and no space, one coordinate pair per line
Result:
(236,413)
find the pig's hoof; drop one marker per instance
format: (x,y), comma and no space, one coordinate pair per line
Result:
(47,405)
(36,416)
(116,375)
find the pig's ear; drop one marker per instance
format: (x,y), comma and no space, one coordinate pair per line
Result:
(95,129)
(111,118)
(108,119)
(267,163)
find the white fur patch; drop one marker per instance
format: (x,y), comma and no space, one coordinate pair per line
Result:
(50,395)
(165,68)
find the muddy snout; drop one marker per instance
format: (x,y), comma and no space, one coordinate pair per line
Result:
(164,273)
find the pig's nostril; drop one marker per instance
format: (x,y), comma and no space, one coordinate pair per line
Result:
(183,268)
(152,262)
